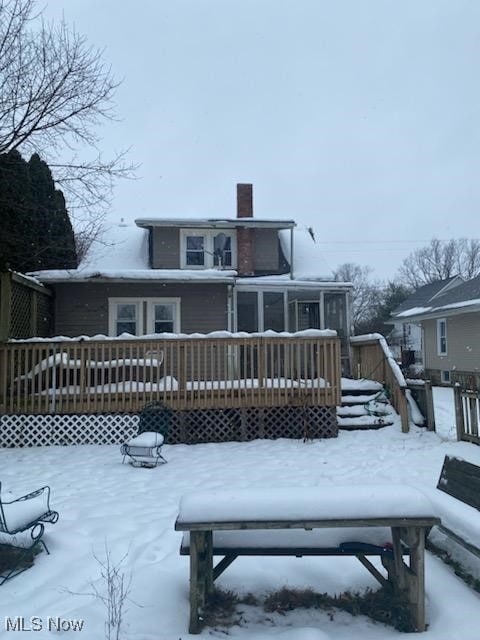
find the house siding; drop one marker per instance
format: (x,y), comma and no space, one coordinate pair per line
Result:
(266,257)
(82,308)
(463,344)
(165,248)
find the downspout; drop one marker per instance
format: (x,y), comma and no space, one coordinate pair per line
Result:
(291,253)
(230,309)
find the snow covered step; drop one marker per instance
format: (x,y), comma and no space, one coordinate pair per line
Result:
(359,386)
(364,422)
(350,399)
(373,408)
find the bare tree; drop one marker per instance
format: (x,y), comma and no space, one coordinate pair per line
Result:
(55,89)
(440,260)
(366,294)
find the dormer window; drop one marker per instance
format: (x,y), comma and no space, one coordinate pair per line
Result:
(194,251)
(207,248)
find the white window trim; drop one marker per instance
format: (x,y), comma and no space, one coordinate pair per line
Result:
(151,302)
(443,374)
(140,303)
(112,314)
(208,235)
(439,335)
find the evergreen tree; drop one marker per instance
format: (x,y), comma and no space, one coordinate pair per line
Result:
(36,231)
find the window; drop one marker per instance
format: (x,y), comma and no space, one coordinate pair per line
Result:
(195,251)
(163,317)
(206,249)
(125,316)
(140,316)
(445,377)
(442,337)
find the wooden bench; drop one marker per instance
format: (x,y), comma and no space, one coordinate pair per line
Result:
(310,522)
(460,480)
(22,525)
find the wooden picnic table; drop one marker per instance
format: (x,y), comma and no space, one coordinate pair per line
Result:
(363,520)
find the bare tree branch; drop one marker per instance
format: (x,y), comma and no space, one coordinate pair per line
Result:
(441,260)
(55,90)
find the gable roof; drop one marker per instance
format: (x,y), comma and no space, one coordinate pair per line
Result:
(123,255)
(423,295)
(460,298)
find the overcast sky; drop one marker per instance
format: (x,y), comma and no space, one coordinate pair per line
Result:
(359,118)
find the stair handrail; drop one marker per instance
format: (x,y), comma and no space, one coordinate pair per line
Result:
(372,359)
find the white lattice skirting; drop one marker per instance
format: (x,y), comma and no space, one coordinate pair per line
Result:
(187,426)
(39,430)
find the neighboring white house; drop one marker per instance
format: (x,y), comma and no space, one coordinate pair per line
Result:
(407,334)
(450,323)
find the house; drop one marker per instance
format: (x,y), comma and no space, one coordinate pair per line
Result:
(450,324)
(187,275)
(406,335)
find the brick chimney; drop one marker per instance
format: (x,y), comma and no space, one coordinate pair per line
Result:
(245,235)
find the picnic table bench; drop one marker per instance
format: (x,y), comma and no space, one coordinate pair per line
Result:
(360,521)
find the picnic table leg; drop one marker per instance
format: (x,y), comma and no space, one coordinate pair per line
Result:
(201,575)
(416,576)
(409,581)
(395,566)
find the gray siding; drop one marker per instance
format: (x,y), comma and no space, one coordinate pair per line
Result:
(165,248)
(463,343)
(82,308)
(265,251)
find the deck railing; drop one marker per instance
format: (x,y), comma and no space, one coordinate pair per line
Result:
(371,359)
(467,414)
(111,375)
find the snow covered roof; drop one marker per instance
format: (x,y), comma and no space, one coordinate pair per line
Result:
(308,260)
(124,253)
(462,298)
(418,301)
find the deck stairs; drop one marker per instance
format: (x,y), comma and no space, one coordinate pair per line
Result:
(364,406)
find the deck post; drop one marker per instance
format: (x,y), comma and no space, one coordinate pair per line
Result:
(429,405)
(459,419)
(5,305)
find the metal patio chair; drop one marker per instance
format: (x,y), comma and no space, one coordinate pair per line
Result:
(144,450)
(22,526)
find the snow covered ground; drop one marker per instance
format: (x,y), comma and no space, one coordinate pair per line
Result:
(133,511)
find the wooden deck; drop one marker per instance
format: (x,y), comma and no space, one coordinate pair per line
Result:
(112,375)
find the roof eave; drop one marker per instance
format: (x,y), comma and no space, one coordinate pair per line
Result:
(214,223)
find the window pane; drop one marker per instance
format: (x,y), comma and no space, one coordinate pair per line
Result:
(127,312)
(195,243)
(126,327)
(164,312)
(163,326)
(247,311)
(126,320)
(273,311)
(195,256)
(222,250)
